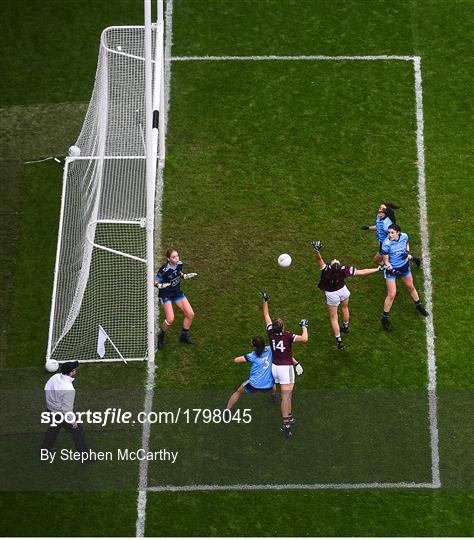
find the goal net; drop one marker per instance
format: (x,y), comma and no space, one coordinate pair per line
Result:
(100,282)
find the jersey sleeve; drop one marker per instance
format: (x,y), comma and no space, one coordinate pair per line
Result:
(348,271)
(385,248)
(159,275)
(249,357)
(269,327)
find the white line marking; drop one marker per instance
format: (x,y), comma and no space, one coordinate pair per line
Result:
(274,57)
(430,335)
(151,373)
(425,250)
(244,487)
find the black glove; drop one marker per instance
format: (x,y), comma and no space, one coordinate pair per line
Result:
(317,245)
(304,323)
(392,271)
(365,228)
(265,297)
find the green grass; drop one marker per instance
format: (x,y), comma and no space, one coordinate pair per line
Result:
(262,157)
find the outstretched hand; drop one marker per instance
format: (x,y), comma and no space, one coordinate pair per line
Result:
(265,296)
(317,245)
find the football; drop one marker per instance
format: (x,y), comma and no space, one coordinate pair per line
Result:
(52,366)
(284,260)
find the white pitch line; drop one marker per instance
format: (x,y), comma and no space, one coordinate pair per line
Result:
(151,372)
(430,335)
(305,57)
(425,249)
(246,487)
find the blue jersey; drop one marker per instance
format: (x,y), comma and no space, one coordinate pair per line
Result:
(396,250)
(170,274)
(261,370)
(382,226)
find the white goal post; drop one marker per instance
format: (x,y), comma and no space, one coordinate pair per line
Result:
(103,296)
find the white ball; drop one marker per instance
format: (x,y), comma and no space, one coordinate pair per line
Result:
(74,151)
(52,366)
(284,260)
(119,47)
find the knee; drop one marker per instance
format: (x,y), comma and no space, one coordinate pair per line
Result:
(169,320)
(391,295)
(190,314)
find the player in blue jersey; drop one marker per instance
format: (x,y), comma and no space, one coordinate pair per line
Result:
(384,218)
(261,378)
(396,257)
(167,280)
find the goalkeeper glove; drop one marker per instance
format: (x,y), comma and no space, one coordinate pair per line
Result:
(265,297)
(299,368)
(161,285)
(365,228)
(383,267)
(304,323)
(317,245)
(190,275)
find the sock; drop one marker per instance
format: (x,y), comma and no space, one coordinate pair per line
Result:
(417,302)
(184,331)
(286,421)
(386,314)
(338,338)
(162,332)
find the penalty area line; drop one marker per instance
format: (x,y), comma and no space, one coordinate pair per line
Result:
(428,279)
(300,57)
(278,487)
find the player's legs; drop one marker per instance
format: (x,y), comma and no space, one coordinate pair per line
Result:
(391,293)
(334,320)
(169,316)
(408,281)
(235,396)
(169,319)
(387,305)
(188,312)
(345,316)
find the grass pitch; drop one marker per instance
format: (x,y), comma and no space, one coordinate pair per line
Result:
(262,157)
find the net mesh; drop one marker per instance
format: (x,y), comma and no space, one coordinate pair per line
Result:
(100,276)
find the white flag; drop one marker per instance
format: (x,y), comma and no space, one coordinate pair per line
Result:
(102,338)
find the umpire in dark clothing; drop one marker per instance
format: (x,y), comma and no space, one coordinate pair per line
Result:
(60,394)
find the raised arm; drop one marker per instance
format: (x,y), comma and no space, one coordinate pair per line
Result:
(304,332)
(266,314)
(317,245)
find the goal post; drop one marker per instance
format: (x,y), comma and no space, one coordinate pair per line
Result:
(103,297)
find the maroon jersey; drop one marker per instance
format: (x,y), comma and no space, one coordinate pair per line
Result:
(333,280)
(281,346)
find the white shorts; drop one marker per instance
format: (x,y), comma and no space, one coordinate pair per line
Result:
(283,374)
(334,298)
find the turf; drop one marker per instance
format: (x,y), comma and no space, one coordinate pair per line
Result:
(262,157)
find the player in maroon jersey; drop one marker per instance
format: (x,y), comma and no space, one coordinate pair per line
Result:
(333,283)
(282,360)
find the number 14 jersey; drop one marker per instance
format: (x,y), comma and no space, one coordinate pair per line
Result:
(281,344)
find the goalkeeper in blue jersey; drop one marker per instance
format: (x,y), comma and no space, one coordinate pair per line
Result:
(384,218)
(167,281)
(397,257)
